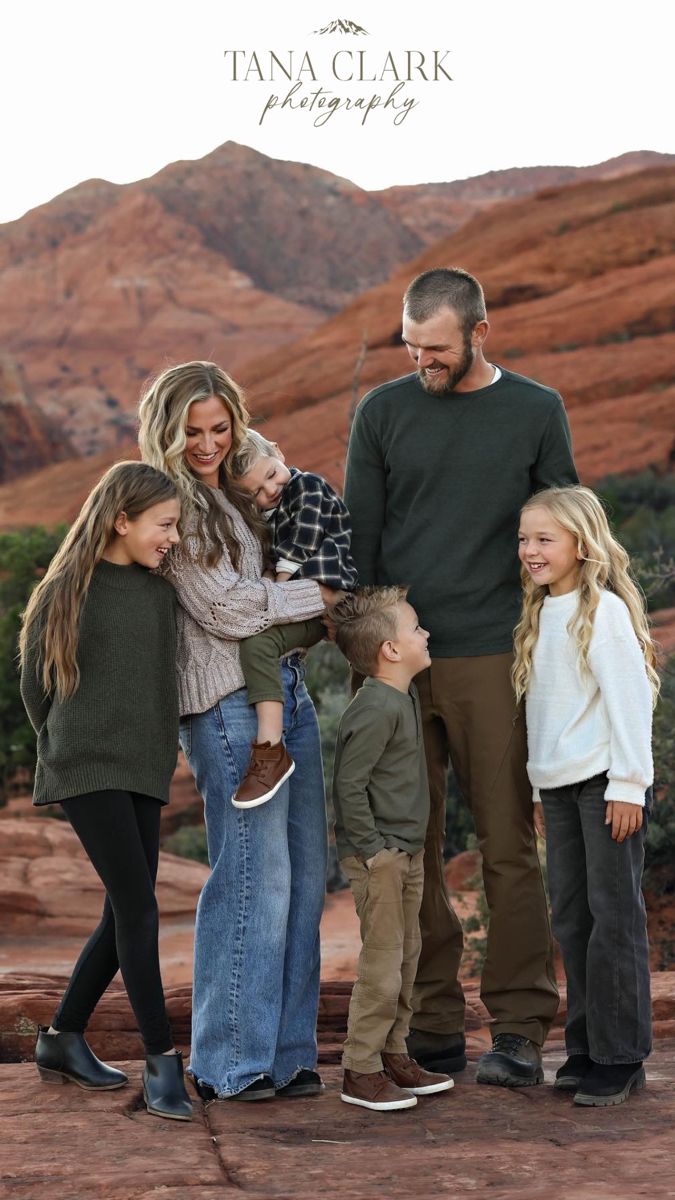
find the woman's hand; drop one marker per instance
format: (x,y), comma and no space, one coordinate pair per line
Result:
(538,817)
(625,819)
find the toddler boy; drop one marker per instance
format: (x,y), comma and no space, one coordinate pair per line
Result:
(381,801)
(311,534)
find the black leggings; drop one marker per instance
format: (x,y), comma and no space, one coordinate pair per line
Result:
(120,833)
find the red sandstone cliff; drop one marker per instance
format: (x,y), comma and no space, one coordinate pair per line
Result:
(232,257)
(578,283)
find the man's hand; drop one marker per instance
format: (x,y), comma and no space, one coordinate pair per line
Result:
(538,817)
(331,596)
(625,819)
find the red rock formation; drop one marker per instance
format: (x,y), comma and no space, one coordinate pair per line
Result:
(47,886)
(435,210)
(29,439)
(232,258)
(475,1141)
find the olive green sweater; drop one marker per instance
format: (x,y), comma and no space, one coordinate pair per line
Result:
(120,729)
(435,485)
(380,788)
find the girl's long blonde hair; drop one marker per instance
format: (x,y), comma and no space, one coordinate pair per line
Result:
(604,564)
(53,610)
(163,416)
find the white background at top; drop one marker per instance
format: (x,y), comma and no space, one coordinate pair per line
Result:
(118,90)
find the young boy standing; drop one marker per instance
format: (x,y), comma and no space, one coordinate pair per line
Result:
(381,801)
(310,532)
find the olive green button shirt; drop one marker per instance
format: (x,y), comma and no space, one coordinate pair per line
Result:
(380,787)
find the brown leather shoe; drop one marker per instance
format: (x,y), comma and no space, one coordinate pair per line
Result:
(374,1090)
(408,1074)
(270,766)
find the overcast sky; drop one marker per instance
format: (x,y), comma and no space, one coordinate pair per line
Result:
(120,90)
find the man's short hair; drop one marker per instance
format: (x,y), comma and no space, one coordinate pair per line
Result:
(364,620)
(253,447)
(445,287)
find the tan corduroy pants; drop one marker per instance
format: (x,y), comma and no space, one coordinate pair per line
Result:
(471,719)
(387,896)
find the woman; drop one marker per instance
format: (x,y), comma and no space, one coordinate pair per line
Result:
(256,968)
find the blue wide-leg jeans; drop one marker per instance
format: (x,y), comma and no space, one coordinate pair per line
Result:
(256,957)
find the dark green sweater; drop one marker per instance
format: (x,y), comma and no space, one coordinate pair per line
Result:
(434,486)
(120,728)
(380,788)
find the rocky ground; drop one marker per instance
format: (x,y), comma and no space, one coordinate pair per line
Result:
(60,1142)
(474,1141)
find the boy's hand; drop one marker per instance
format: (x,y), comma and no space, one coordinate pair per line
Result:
(370,861)
(538,817)
(625,819)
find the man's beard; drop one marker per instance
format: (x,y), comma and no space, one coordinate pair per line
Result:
(447,382)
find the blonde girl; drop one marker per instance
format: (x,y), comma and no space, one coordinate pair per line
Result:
(98,679)
(586,665)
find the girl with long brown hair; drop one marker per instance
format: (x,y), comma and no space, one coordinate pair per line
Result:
(98,647)
(586,665)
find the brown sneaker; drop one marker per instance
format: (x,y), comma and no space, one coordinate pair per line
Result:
(269,767)
(408,1074)
(374,1090)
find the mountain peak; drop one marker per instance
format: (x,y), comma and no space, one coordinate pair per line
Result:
(342,25)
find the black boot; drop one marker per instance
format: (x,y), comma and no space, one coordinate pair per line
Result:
(164,1087)
(66,1056)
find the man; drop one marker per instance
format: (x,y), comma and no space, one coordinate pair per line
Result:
(438,467)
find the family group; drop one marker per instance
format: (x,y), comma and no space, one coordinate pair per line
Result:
(492,625)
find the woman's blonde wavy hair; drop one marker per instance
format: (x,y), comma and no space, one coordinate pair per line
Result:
(163,416)
(604,564)
(53,610)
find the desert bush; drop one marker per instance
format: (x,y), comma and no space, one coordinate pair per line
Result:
(24,557)
(188,842)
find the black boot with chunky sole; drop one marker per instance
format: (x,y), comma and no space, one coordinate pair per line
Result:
(513,1061)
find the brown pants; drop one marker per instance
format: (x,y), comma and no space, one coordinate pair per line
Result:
(387,897)
(471,720)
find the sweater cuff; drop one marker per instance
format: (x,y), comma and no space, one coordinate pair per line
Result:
(536,798)
(625,792)
(285,564)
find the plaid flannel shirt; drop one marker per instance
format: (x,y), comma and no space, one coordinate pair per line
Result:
(311,528)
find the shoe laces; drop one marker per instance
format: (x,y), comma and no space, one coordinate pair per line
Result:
(507,1043)
(259,767)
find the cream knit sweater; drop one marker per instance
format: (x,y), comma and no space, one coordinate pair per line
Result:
(219,606)
(579,726)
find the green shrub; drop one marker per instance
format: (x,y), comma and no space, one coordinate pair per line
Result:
(188,842)
(24,557)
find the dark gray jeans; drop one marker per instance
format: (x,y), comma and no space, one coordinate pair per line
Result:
(600,921)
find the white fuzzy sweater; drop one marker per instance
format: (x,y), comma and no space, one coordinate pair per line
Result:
(579,726)
(219,606)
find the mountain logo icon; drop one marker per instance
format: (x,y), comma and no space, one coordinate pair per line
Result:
(342,25)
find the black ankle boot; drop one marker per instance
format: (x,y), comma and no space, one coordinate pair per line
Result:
(164,1087)
(66,1056)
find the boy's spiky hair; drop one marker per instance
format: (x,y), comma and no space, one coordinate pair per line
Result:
(364,620)
(252,447)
